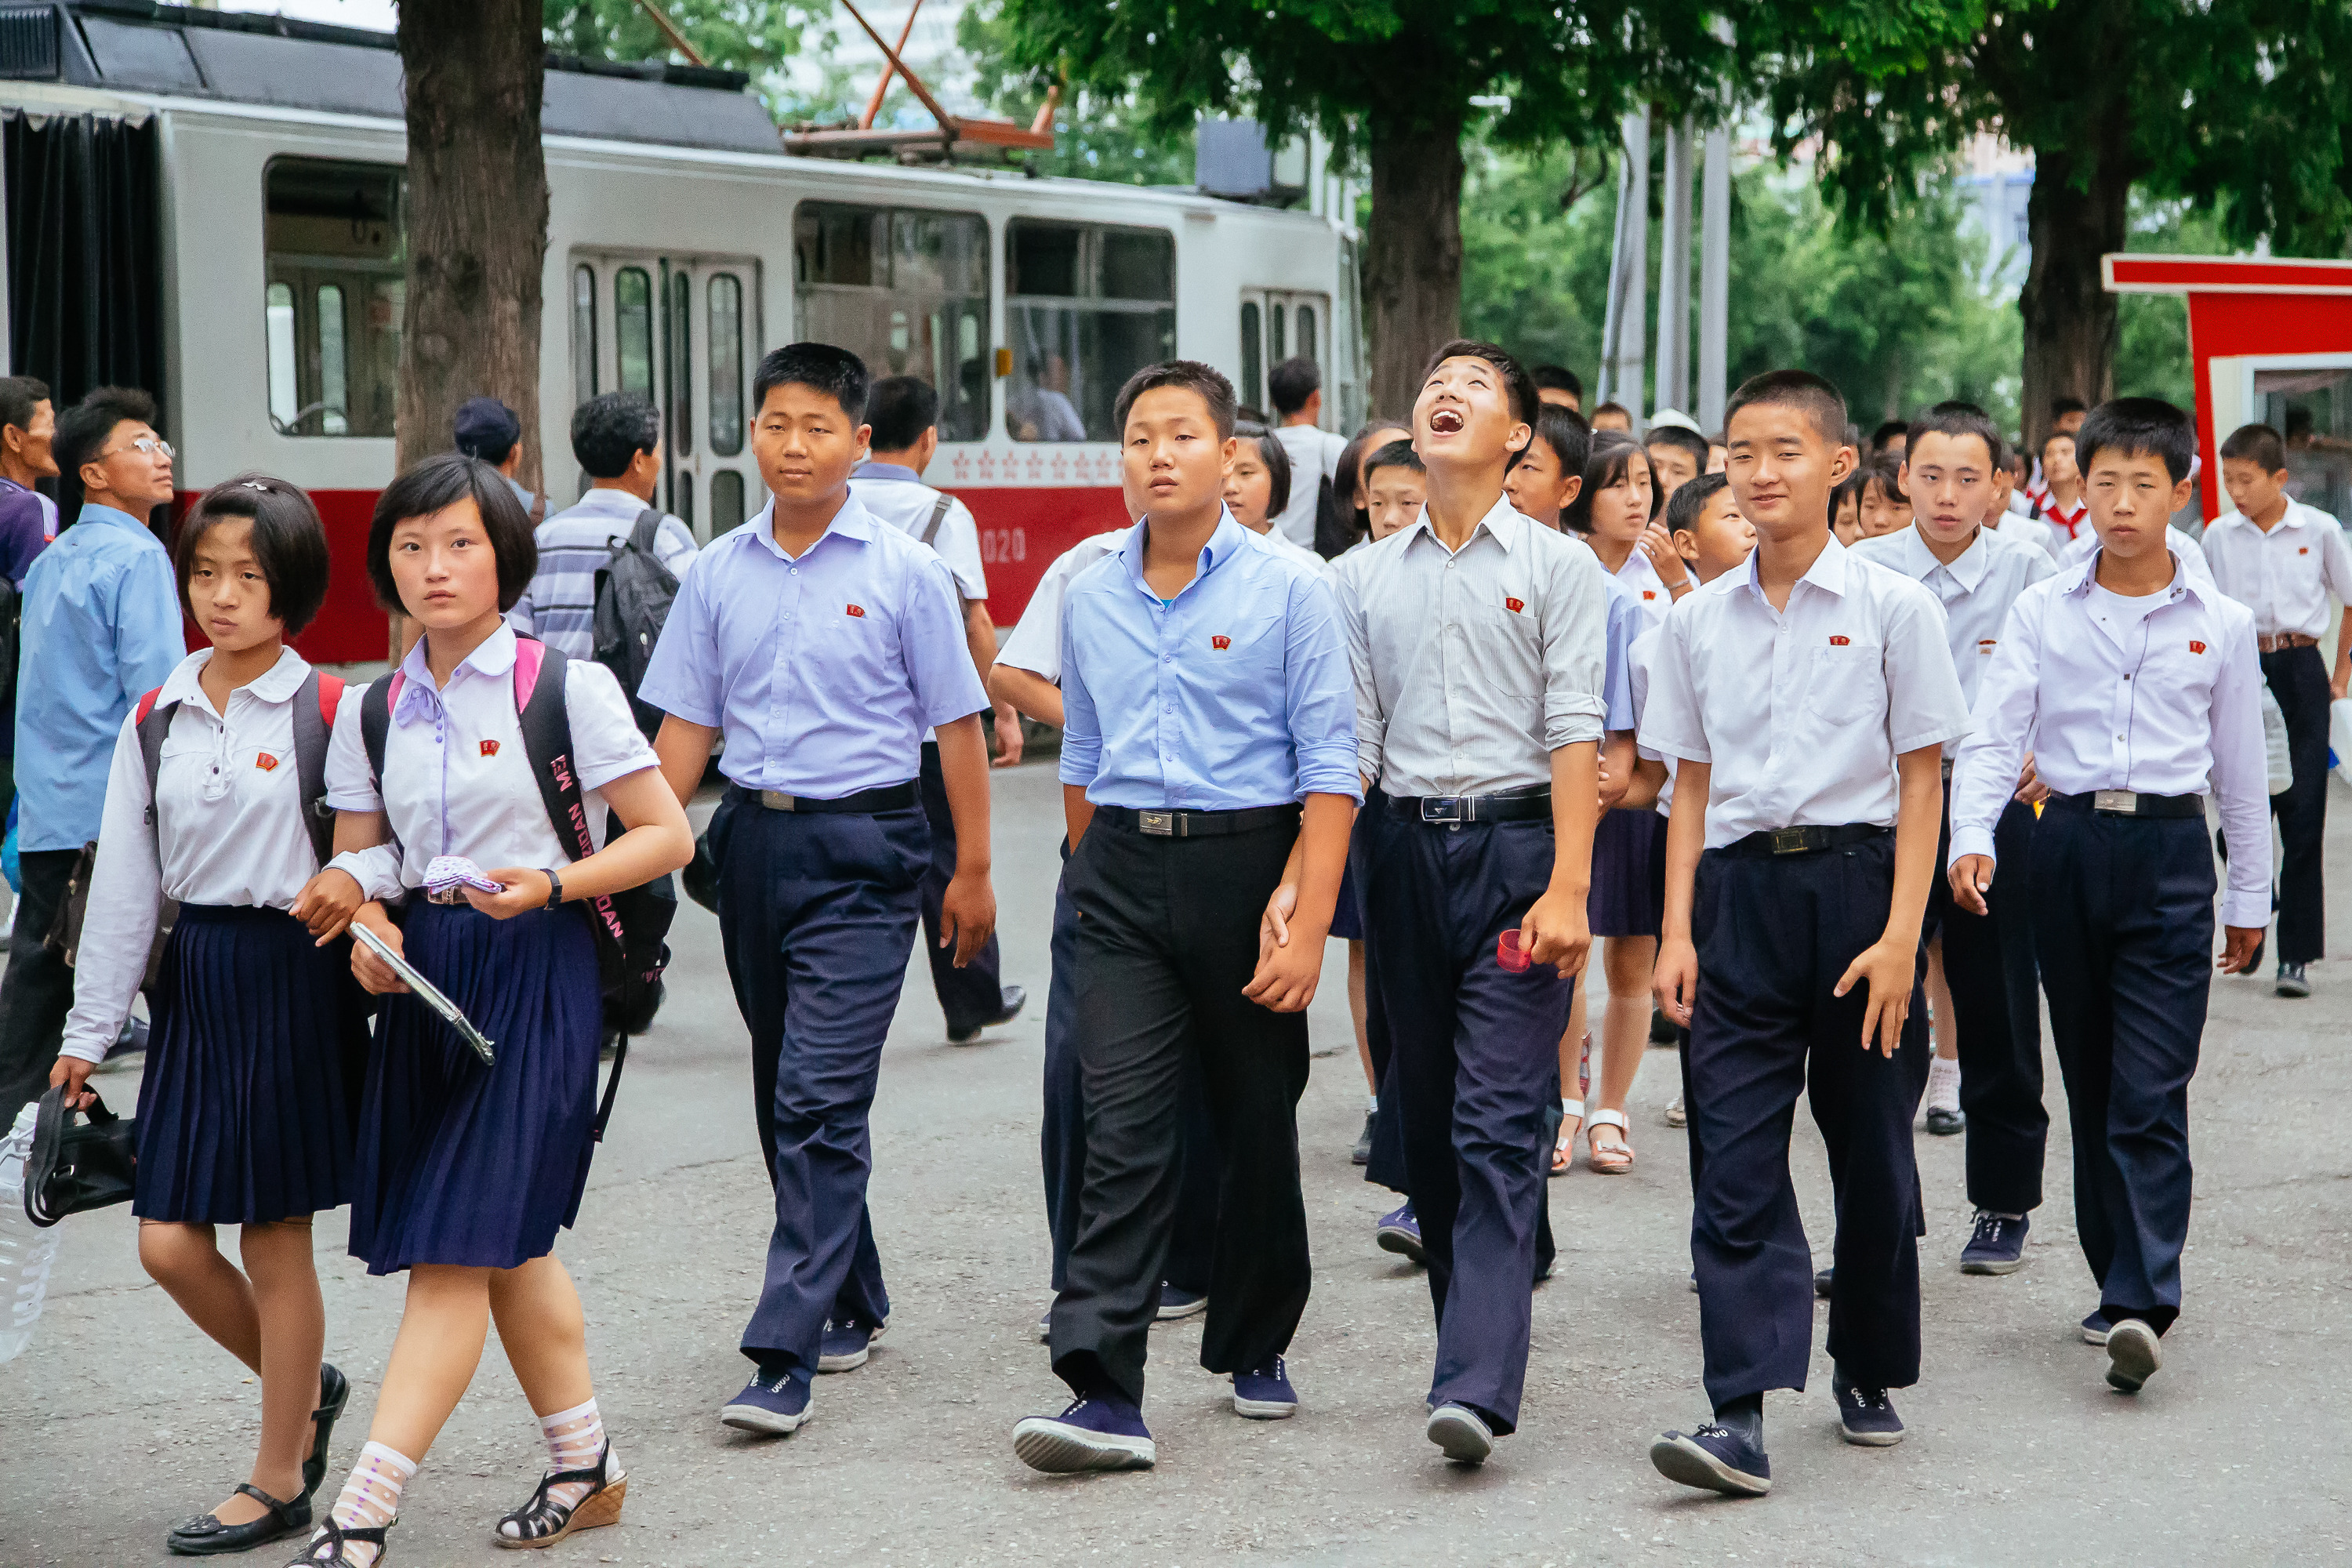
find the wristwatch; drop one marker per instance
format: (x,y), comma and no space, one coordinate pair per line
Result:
(554,886)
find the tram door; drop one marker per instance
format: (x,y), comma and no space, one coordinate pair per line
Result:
(683,331)
(1277,325)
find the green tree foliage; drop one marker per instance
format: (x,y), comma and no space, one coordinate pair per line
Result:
(753,36)
(1101,132)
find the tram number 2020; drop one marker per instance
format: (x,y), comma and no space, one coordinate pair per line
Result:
(1002,544)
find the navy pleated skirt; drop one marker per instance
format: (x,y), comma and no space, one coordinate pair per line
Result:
(1347,914)
(462,1164)
(1629,874)
(243,1113)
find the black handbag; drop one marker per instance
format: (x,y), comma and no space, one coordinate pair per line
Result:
(76,1165)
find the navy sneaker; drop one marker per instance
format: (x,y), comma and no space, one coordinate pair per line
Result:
(2095,1328)
(846,1343)
(1099,1431)
(1399,1233)
(1265,1394)
(774,1404)
(1362,1154)
(2292,981)
(1821,1280)
(1177,1303)
(1997,1246)
(1462,1433)
(1714,1458)
(2133,1354)
(1867,1415)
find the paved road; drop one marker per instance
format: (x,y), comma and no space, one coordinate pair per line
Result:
(122,1418)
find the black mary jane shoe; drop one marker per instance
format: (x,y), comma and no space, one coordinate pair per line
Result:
(334,1392)
(326,1548)
(542,1521)
(205,1536)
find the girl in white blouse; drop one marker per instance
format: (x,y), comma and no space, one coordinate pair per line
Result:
(243,1114)
(466,1170)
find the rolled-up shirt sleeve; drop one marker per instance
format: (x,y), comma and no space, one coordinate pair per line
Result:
(1371,719)
(1319,702)
(1575,650)
(1082,740)
(118,924)
(2240,776)
(1984,772)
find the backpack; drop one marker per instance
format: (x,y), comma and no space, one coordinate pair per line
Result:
(630,925)
(634,593)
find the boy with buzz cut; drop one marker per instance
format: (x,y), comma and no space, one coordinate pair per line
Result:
(1209,779)
(2132,684)
(821,642)
(1805,699)
(2284,561)
(1478,638)
(1677,454)
(1976,573)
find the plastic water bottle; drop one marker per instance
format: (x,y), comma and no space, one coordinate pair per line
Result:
(25,1250)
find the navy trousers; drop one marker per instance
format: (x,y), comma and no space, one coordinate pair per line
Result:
(973,994)
(1167,938)
(2124,919)
(1062,1142)
(816,913)
(1472,1069)
(1775,934)
(1989,962)
(2297,677)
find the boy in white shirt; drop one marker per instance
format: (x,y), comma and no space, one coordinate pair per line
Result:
(1806,699)
(1295,388)
(2132,684)
(1976,574)
(2285,561)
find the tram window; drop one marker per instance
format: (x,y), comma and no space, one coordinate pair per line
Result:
(1252,388)
(726,501)
(334,265)
(726,305)
(1306,333)
(584,334)
(633,329)
(907,291)
(681,359)
(1280,349)
(681,496)
(1087,306)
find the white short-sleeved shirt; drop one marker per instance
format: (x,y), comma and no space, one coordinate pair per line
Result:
(456,781)
(1639,576)
(1035,644)
(1801,713)
(1273,539)
(898,496)
(2285,577)
(2191,553)
(1314,454)
(1976,588)
(1638,659)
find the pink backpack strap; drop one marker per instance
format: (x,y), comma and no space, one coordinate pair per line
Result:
(529,654)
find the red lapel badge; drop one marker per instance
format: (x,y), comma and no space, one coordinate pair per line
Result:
(2304,551)
(1515,605)
(489,748)
(857,610)
(1220,644)
(1649,593)
(1841,642)
(266,762)
(2197,647)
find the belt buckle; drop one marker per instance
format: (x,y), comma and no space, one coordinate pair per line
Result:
(1790,841)
(1158,824)
(1441,808)
(2115,802)
(777,800)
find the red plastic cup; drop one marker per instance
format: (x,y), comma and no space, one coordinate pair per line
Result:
(1510,954)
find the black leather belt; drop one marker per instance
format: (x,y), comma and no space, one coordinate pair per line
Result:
(2124,803)
(1453,810)
(1806,840)
(1174,823)
(865,802)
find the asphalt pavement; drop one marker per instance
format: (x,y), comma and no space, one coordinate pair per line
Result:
(121,1418)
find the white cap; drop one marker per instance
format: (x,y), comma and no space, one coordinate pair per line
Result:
(1675,417)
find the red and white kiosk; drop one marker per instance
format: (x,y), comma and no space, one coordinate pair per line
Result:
(2271,339)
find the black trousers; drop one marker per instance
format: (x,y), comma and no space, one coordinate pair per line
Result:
(1474,1069)
(2298,678)
(2124,919)
(1774,936)
(1167,939)
(1988,963)
(38,991)
(973,994)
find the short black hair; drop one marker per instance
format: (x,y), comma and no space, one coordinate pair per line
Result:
(442,480)
(1681,436)
(821,367)
(2061,406)
(1887,469)
(1518,385)
(1612,452)
(1204,381)
(610,429)
(1956,418)
(2054,434)
(1395,454)
(1557,378)
(2133,425)
(1683,507)
(1613,407)
(1817,397)
(1349,473)
(289,542)
(1848,489)
(1276,459)
(1566,433)
(20,397)
(82,429)
(2257,444)
(1889,427)
(1292,383)
(900,408)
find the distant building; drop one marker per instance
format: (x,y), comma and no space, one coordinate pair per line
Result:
(1997,184)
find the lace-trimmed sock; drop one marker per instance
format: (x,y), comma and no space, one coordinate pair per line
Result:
(1944,1085)
(371,1496)
(574,1439)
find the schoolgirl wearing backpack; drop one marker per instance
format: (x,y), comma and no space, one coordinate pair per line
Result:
(467,1169)
(244,1115)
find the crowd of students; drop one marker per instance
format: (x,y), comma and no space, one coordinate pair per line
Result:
(1552,683)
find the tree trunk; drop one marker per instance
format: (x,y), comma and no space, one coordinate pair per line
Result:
(476,218)
(2079,210)
(1412,255)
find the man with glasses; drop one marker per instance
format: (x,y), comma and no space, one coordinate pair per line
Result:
(102,624)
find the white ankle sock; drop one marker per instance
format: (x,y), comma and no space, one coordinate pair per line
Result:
(371,1496)
(1944,1084)
(1371,1105)
(574,1439)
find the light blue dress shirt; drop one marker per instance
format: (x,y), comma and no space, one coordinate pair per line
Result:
(1237,693)
(1626,623)
(101,628)
(824,670)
